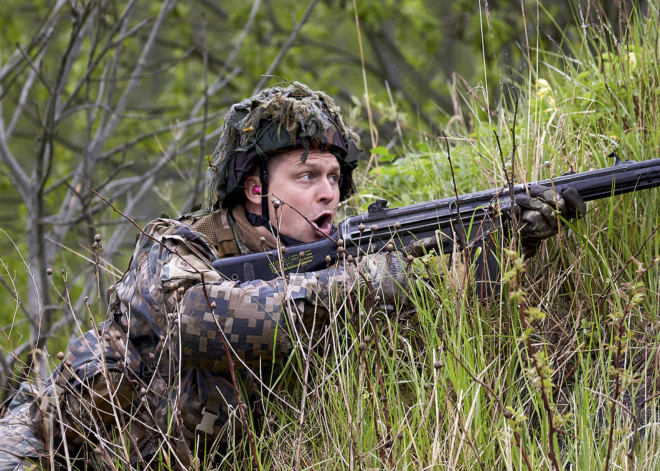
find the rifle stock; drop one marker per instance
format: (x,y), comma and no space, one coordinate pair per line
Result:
(434,223)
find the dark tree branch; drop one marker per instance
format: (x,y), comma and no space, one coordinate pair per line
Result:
(287,45)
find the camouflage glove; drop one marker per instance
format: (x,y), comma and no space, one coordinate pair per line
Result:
(539,214)
(387,276)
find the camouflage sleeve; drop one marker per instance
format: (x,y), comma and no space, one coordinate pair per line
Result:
(170,286)
(256,317)
(180,296)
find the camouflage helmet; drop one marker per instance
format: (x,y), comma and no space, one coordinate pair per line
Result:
(273,121)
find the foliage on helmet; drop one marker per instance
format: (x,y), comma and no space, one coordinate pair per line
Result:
(274,121)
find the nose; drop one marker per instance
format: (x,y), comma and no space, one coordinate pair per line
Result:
(325,191)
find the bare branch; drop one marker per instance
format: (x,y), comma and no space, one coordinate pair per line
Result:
(132,143)
(72,203)
(35,69)
(104,133)
(221,80)
(43,35)
(123,20)
(285,48)
(25,91)
(21,180)
(44,154)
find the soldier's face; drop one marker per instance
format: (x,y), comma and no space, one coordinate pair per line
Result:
(309,193)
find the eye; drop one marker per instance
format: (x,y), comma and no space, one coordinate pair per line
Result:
(307,177)
(333,178)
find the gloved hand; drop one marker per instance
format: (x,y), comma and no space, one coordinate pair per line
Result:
(538,221)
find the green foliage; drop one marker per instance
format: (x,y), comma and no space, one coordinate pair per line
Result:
(584,104)
(452,383)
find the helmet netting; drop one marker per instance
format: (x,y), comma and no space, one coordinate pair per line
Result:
(295,109)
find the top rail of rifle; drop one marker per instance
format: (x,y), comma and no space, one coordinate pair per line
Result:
(623,177)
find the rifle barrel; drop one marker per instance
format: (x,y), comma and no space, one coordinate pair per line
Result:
(623,177)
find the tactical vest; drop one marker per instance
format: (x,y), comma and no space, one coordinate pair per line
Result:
(217,228)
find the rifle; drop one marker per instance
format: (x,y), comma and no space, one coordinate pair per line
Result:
(441,224)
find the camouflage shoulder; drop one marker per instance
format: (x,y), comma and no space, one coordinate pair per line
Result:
(194,214)
(158,230)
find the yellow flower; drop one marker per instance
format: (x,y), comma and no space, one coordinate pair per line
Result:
(543,88)
(544,91)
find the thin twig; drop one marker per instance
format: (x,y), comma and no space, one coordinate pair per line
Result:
(92,64)
(509,182)
(459,229)
(287,45)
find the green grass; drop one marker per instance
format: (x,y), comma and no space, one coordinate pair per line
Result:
(457,383)
(575,107)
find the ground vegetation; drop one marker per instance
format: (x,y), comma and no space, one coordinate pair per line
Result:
(125,99)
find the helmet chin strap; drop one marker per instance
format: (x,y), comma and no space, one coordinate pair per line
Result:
(257,221)
(263,178)
(264,219)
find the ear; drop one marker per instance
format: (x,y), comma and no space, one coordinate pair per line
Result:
(251,195)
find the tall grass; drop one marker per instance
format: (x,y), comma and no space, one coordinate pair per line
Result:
(558,370)
(458,383)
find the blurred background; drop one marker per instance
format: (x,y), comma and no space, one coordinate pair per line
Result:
(127,98)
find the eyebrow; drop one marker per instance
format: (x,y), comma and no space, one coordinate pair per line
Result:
(315,165)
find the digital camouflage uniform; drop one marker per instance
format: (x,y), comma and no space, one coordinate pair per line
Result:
(158,327)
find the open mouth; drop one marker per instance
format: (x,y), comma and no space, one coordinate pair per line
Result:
(323,223)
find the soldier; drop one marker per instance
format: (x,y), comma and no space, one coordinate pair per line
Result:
(283,164)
